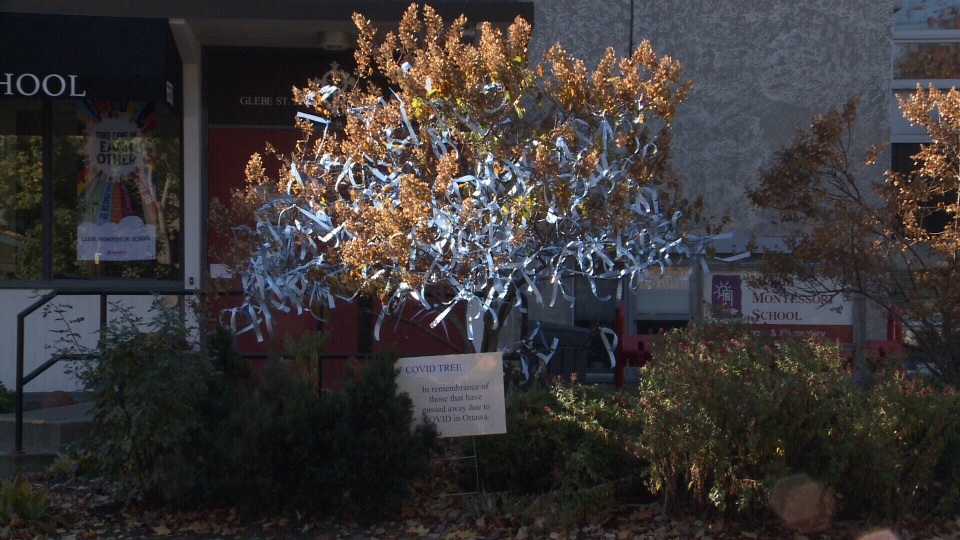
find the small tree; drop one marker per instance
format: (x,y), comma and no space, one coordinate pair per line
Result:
(853,236)
(473,176)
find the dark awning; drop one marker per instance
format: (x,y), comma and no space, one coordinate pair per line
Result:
(495,11)
(94,57)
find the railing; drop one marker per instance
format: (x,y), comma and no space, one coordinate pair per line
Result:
(43,300)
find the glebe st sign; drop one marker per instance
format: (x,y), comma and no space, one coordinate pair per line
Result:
(28,85)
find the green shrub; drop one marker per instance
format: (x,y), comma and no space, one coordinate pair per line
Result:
(306,355)
(351,450)
(178,426)
(567,437)
(233,369)
(260,441)
(596,454)
(144,387)
(21,505)
(909,440)
(7,399)
(727,412)
(371,450)
(947,474)
(523,459)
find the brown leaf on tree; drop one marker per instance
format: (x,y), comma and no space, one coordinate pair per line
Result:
(894,240)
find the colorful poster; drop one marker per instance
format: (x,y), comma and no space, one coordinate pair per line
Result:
(116,188)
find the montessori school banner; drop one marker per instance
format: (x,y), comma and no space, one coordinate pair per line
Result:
(819,316)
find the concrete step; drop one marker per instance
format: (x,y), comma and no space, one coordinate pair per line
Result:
(47,429)
(605,375)
(46,432)
(30,461)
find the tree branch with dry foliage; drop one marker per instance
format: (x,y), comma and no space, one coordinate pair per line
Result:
(850,235)
(472,176)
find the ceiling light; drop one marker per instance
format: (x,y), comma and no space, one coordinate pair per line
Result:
(336,40)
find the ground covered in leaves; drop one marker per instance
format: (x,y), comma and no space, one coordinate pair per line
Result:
(83,509)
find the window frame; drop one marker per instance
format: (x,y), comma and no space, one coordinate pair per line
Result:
(921,36)
(909,85)
(898,160)
(901,37)
(91,283)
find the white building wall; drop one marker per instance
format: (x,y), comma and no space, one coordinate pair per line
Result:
(759,70)
(40,340)
(47,330)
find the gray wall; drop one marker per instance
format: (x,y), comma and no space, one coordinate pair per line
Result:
(585,28)
(759,70)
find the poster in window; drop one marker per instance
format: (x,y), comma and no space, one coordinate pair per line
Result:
(116,187)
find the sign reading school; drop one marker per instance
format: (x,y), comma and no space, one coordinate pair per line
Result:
(462,393)
(818,316)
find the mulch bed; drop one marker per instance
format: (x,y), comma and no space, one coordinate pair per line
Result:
(84,509)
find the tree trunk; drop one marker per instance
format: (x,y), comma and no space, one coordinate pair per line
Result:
(491,336)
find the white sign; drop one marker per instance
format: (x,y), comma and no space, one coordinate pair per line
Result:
(462,394)
(129,240)
(813,316)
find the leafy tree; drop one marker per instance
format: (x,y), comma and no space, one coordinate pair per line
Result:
(21,190)
(20,197)
(851,235)
(473,176)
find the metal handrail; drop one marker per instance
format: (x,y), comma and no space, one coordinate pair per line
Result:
(43,300)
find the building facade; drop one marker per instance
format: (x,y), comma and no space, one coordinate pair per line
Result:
(120,122)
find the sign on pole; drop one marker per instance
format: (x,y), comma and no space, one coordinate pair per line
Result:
(462,393)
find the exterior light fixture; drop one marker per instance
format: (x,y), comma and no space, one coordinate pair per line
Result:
(336,40)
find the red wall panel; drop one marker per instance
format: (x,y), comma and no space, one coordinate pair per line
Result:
(229,150)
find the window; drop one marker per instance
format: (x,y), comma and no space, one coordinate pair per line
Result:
(88,189)
(926,46)
(926,60)
(662,302)
(90,157)
(926,50)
